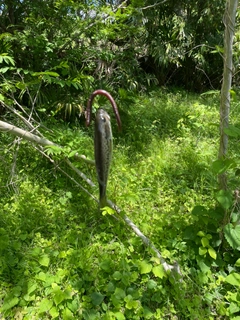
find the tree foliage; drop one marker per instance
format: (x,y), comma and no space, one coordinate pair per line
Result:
(115,45)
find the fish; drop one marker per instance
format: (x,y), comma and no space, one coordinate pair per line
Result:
(103,141)
(103,147)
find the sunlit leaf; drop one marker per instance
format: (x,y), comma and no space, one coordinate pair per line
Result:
(202,251)
(237,263)
(201,234)
(58,295)
(234,279)
(54,312)
(205,242)
(44,260)
(212,253)
(119,316)
(45,305)
(158,271)
(107,210)
(130,302)
(67,314)
(9,302)
(145,267)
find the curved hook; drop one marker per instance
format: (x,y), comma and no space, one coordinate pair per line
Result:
(110,98)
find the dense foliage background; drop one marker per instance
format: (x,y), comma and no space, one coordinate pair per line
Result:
(60,258)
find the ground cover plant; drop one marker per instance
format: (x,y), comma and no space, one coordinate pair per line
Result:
(61,258)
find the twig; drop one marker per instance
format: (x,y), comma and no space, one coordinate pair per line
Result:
(66,174)
(82,175)
(154,5)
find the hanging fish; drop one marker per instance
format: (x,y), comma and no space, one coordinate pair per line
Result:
(103,146)
(103,142)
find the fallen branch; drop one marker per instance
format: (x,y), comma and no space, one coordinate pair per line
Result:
(9,128)
(6,127)
(167,267)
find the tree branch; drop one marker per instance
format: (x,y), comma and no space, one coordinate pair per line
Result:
(6,127)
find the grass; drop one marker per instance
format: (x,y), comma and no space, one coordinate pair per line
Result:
(61,259)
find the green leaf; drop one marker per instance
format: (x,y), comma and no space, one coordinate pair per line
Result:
(232,131)
(147,313)
(41,276)
(199,211)
(222,165)
(31,287)
(234,279)
(97,298)
(119,316)
(9,302)
(211,92)
(119,293)
(232,235)
(158,271)
(117,275)
(54,312)
(224,197)
(4,70)
(69,195)
(237,263)
(151,284)
(130,302)
(45,73)
(145,267)
(21,85)
(53,150)
(233,308)
(44,260)
(58,295)
(72,153)
(45,305)
(106,265)
(202,251)
(205,242)
(67,314)
(107,210)
(212,253)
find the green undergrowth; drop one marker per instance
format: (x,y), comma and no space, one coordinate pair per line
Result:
(60,258)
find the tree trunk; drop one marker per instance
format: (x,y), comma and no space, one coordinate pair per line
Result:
(229,22)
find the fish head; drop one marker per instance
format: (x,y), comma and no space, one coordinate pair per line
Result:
(103,121)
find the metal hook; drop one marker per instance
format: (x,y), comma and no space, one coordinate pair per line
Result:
(113,103)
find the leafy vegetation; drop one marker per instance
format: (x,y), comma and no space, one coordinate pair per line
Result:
(61,258)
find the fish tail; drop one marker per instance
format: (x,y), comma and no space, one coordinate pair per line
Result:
(102,196)
(103,202)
